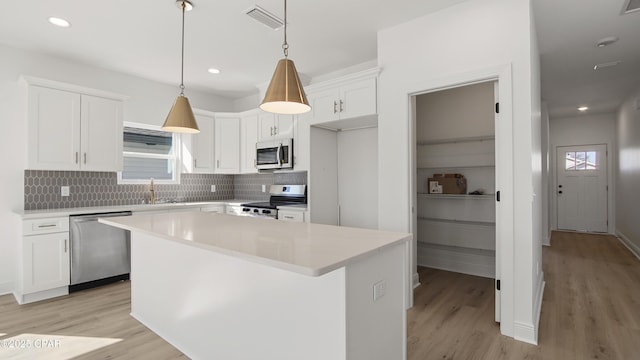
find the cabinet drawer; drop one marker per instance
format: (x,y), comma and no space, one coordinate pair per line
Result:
(297,216)
(45,226)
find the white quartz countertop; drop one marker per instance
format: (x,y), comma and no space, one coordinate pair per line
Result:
(308,249)
(37,214)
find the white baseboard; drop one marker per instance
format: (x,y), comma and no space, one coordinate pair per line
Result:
(416,280)
(6,288)
(478,263)
(635,249)
(525,332)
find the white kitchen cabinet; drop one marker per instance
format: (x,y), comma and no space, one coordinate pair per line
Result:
(44,259)
(291,215)
(227,143)
(248,139)
(218,209)
(233,210)
(202,144)
(71,130)
(343,100)
(275,126)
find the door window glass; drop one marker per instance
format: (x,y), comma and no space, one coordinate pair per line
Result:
(581,160)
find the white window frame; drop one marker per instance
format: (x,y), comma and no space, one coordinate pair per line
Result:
(177,145)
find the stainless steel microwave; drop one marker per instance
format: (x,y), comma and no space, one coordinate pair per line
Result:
(274,154)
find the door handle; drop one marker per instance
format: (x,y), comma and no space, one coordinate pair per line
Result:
(195,163)
(275,130)
(218,164)
(85,158)
(335,107)
(76,157)
(271,129)
(341,106)
(65,245)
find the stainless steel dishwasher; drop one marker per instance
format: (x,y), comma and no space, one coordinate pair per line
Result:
(100,254)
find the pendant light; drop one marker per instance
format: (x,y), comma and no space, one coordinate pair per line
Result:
(180,118)
(285,94)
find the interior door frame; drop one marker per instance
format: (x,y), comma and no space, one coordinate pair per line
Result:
(607,178)
(504,179)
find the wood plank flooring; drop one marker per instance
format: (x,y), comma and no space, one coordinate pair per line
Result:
(591,310)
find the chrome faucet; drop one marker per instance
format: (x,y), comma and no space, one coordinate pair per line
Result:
(152,198)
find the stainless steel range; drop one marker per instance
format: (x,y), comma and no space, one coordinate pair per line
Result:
(280,195)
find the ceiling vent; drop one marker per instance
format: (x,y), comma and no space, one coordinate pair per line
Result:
(264,17)
(631,6)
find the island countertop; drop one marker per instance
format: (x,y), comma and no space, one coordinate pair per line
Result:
(304,248)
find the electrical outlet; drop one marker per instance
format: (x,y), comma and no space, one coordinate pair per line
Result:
(379,290)
(64,191)
(213,188)
(264,188)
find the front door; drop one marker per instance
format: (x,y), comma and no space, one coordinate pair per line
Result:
(582,188)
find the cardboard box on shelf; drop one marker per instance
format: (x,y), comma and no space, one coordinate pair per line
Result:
(447,184)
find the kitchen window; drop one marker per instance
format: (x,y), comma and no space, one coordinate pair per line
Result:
(149,153)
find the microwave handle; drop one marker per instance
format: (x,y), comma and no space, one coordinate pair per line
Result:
(279,155)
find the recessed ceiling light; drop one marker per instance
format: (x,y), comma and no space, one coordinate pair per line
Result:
(607,64)
(214,71)
(59,22)
(606,41)
(583,108)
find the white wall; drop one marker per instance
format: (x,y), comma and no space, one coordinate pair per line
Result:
(468,37)
(149,103)
(583,130)
(628,172)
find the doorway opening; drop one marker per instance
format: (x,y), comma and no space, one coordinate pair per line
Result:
(455,172)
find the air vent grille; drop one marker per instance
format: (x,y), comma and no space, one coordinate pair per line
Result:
(631,6)
(264,17)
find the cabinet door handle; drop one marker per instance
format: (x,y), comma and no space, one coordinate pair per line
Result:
(195,163)
(275,130)
(218,164)
(85,158)
(335,107)
(288,217)
(341,106)
(65,245)
(76,157)
(46,226)
(271,129)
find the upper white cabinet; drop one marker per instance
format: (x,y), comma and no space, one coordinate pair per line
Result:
(248,139)
(273,126)
(202,149)
(227,143)
(343,99)
(70,129)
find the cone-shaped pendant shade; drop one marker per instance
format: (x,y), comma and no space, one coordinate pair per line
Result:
(285,94)
(180,118)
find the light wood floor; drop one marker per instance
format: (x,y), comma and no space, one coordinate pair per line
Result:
(591,310)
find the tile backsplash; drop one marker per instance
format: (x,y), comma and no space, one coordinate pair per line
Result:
(88,189)
(249,186)
(42,189)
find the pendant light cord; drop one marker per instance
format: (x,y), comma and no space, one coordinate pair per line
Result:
(182,58)
(285,46)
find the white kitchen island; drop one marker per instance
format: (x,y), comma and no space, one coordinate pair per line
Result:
(227,287)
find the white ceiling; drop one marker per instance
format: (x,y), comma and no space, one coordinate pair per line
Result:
(568,31)
(142,38)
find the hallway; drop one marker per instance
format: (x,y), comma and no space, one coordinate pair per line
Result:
(591,308)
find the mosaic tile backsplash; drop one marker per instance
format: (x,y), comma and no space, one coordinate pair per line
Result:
(89,189)
(249,186)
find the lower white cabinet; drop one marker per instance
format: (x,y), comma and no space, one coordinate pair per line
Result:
(45,259)
(233,210)
(218,209)
(288,215)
